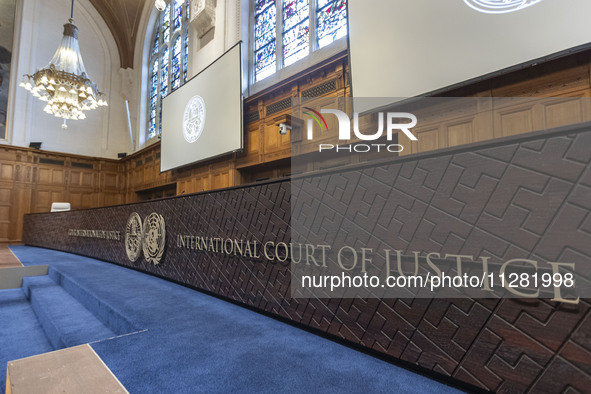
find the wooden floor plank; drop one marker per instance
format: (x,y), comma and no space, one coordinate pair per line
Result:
(73,370)
(7,258)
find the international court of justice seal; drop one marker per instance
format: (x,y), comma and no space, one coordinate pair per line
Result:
(194,119)
(133,237)
(154,238)
(500,6)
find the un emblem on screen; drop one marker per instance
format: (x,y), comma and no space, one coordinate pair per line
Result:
(194,119)
(149,238)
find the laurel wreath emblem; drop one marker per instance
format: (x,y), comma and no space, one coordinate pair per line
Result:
(154,238)
(149,237)
(194,119)
(134,235)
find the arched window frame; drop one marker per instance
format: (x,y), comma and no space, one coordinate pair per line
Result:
(315,55)
(154,124)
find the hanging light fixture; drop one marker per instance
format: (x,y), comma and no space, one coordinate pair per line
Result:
(64,84)
(160,5)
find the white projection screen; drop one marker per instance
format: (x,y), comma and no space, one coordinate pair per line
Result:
(407,48)
(203,118)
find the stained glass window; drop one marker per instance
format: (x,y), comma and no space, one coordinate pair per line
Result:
(160,115)
(153,99)
(178,15)
(304,26)
(168,59)
(185,57)
(166,24)
(264,32)
(176,63)
(296,22)
(155,43)
(164,73)
(332,21)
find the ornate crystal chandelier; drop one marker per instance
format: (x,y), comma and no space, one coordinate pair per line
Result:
(160,5)
(64,84)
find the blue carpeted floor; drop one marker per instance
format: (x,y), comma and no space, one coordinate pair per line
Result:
(182,341)
(21,334)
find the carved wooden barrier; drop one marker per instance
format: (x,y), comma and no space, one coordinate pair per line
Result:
(525,196)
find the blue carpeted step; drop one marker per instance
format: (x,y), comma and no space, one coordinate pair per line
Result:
(21,335)
(106,313)
(65,321)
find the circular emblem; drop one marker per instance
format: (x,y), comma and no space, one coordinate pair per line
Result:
(133,237)
(500,6)
(194,119)
(154,238)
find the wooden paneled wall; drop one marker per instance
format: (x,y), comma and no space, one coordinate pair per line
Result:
(453,122)
(30,181)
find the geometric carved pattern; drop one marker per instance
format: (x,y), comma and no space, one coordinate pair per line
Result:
(251,117)
(526,196)
(321,89)
(278,106)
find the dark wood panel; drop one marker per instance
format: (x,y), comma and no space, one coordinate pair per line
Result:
(31,180)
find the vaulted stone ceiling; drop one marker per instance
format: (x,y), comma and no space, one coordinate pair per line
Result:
(123,19)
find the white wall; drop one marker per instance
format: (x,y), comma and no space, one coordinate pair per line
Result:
(38,32)
(104,133)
